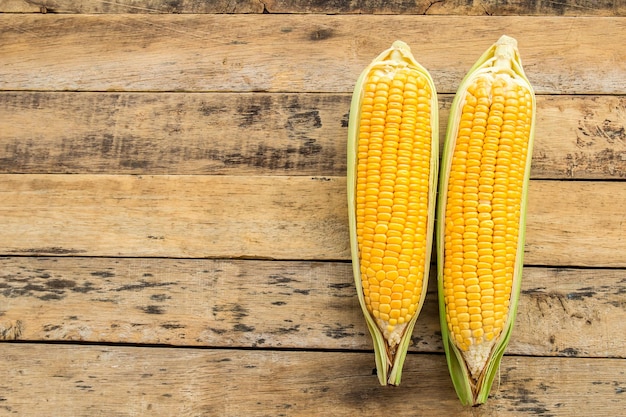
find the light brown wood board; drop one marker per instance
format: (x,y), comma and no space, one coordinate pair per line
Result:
(133,381)
(291,304)
(460,7)
(198,216)
(294,53)
(578,137)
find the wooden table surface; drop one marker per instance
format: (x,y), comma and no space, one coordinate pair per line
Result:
(174,236)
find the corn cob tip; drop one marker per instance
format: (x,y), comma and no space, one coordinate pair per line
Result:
(505,54)
(507,41)
(401,46)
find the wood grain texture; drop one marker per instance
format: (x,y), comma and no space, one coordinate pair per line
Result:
(220,52)
(577,302)
(262,304)
(453,7)
(191,382)
(579,137)
(136,6)
(174,133)
(196,261)
(175,216)
(484,7)
(234,216)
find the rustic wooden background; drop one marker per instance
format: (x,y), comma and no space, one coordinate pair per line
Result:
(174,225)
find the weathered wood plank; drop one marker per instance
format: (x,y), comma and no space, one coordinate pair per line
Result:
(577,302)
(170,133)
(445,7)
(235,216)
(566,222)
(174,216)
(182,302)
(580,137)
(305,305)
(126,381)
(136,6)
(463,7)
(294,53)
(254,134)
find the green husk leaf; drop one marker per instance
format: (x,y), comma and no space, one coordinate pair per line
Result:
(470,391)
(389,362)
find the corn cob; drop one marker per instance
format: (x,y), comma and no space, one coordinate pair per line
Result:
(392,176)
(481,216)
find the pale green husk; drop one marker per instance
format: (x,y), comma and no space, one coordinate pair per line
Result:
(389,367)
(472,392)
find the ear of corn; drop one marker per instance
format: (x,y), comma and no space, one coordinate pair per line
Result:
(481,216)
(392,176)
